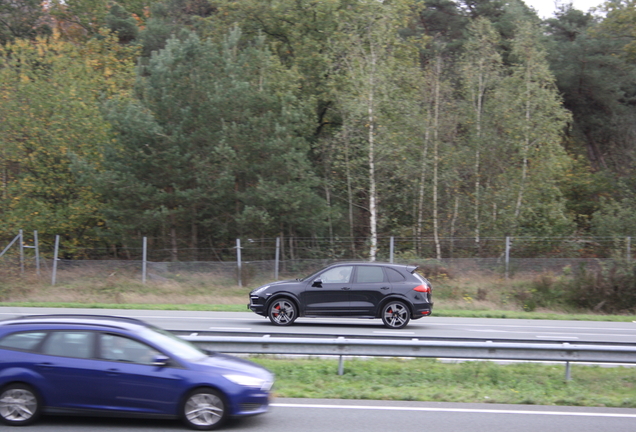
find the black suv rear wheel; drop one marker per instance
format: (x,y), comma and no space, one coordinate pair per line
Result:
(395,314)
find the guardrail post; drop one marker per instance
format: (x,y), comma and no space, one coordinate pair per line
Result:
(568,371)
(341,365)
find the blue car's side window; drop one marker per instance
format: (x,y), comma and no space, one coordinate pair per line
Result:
(119,348)
(78,344)
(26,341)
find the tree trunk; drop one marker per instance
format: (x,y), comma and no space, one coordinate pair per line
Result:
(438,69)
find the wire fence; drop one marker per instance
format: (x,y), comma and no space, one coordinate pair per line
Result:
(249,260)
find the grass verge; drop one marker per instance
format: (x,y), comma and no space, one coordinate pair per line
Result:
(469,382)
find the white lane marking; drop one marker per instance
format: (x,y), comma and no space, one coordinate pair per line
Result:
(456,410)
(431,324)
(230,328)
(556,337)
(548,333)
(393,332)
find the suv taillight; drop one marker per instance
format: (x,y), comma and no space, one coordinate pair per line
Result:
(422,288)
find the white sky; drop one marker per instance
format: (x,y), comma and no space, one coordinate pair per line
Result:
(546,8)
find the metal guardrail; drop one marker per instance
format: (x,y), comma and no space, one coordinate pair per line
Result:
(488,350)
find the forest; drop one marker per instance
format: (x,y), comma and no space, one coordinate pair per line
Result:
(197,122)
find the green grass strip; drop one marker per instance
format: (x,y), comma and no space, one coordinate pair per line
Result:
(469,382)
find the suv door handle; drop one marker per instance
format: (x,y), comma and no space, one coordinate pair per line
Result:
(345,288)
(385,288)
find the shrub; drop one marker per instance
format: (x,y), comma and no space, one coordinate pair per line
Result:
(610,288)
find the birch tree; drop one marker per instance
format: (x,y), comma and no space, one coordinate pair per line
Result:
(534,119)
(481,69)
(367,51)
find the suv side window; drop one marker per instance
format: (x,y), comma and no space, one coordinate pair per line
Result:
(78,344)
(26,341)
(340,274)
(369,274)
(394,275)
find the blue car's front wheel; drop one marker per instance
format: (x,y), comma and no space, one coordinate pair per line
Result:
(19,405)
(204,409)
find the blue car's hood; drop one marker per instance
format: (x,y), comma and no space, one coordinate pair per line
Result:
(234,364)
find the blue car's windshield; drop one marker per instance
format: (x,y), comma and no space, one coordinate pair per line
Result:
(173,344)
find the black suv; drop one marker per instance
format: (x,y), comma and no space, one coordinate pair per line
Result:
(393,292)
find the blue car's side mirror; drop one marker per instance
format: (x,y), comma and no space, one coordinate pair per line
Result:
(160,360)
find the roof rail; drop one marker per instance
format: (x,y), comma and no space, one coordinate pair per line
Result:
(83,316)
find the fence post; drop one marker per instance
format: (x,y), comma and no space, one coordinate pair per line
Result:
(21,252)
(37,252)
(277,258)
(238,261)
(144,259)
(10,244)
(629,248)
(57,247)
(391,248)
(507,255)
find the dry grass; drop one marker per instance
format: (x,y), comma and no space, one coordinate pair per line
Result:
(120,287)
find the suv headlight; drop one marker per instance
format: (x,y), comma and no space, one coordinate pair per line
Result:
(259,290)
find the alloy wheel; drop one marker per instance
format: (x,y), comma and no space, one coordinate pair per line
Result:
(18,405)
(395,315)
(282,312)
(204,410)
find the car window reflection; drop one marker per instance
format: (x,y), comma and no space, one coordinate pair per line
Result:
(337,275)
(118,348)
(69,344)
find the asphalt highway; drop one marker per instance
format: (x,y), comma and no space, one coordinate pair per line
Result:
(438,327)
(308,415)
(321,415)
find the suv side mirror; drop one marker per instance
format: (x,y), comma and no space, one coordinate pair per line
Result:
(317,283)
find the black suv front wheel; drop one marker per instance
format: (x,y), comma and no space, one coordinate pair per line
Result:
(282,312)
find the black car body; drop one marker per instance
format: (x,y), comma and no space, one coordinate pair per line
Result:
(393,292)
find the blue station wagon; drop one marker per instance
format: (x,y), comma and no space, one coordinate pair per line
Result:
(98,365)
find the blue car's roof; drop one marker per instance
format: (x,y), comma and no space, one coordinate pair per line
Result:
(124,323)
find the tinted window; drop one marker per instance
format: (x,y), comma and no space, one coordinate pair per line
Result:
(370,274)
(173,344)
(394,275)
(27,341)
(337,275)
(119,348)
(69,344)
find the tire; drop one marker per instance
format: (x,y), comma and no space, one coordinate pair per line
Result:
(204,409)
(282,312)
(395,315)
(20,405)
